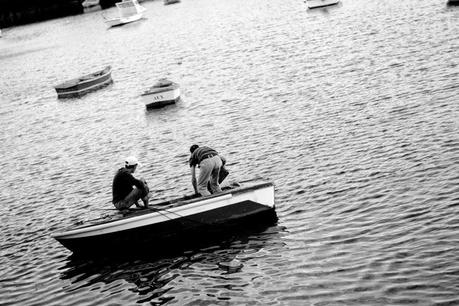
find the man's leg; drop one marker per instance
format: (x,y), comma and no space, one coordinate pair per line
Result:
(205,171)
(132,198)
(217,164)
(145,196)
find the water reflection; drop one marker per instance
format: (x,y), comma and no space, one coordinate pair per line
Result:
(152,275)
(8,54)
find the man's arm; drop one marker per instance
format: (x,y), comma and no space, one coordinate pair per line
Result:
(193,179)
(139,183)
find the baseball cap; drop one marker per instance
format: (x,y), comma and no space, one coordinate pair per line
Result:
(131,161)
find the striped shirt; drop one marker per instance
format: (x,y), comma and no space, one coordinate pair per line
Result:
(199,154)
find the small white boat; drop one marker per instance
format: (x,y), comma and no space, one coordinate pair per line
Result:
(80,86)
(169,224)
(90,3)
(166,2)
(128,11)
(320,3)
(163,92)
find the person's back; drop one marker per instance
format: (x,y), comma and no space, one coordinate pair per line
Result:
(200,153)
(122,184)
(209,163)
(126,189)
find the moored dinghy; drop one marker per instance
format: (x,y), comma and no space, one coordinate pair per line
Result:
(82,85)
(90,3)
(320,3)
(167,2)
(128,11)
(163,92)
(91,6)
(168,224)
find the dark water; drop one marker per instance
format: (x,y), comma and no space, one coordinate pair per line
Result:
(352,111)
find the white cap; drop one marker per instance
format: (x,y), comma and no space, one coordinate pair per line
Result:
(131,161)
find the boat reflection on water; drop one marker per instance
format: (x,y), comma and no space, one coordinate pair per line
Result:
(152,274)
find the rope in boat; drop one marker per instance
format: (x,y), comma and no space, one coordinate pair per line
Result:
(160,211)
(179,215)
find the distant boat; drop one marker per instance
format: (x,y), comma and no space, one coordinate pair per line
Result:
(320,3)
(453,2)
(166,2)
(163,92)
(82,85)
(128,11)
(90,3)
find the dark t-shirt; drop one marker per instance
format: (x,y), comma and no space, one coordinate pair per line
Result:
(122,184)
(199,154)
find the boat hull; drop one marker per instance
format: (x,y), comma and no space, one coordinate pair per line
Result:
(162,98)
(90,3)
(183,225)
(120,21)
(167,2)
(159,238)
(320,3)
(128,11)
(81,86)
(92,9)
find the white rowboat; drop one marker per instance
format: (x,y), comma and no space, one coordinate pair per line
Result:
(163,92)
(128,11)
(90,3)
(169,223)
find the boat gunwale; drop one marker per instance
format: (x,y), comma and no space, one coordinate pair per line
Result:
(103,73)
(322,5)
(155,90)
(176,203)
(83,91)
(123,20)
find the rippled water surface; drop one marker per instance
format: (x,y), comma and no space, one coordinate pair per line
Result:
(352,112)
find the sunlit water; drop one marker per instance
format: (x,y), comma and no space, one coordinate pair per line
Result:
(352,111)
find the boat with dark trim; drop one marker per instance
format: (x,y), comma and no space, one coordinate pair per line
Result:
(82,85)
(162,93)
(167,224)
(320,3)
(167,2)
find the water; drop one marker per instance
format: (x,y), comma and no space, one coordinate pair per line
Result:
(351,111)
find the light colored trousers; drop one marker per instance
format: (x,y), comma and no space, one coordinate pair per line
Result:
(209,169)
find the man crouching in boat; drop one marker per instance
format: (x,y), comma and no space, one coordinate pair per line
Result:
(126,189)
(209,163)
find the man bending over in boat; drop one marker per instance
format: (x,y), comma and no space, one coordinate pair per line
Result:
(209,163)
(126,189)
